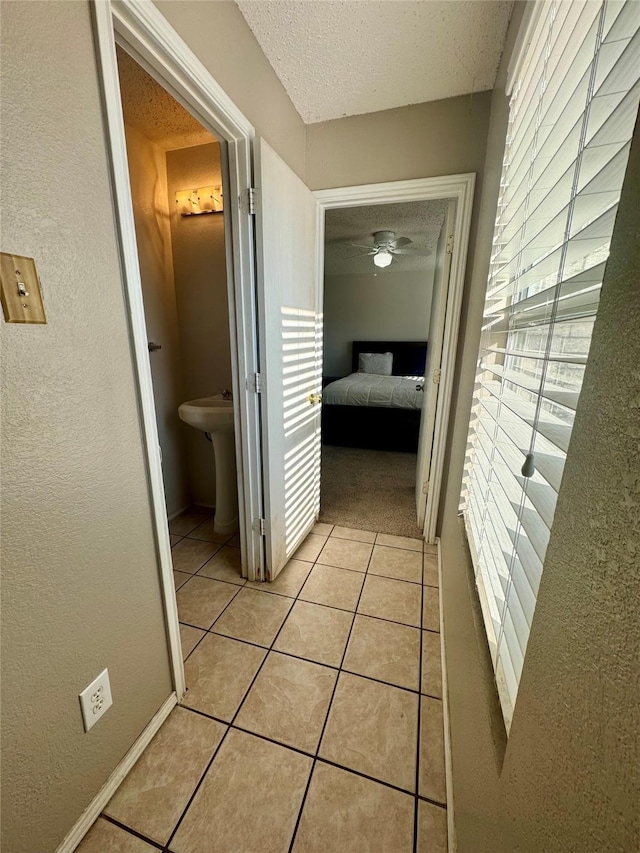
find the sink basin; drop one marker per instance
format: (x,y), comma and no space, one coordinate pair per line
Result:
(214,415)
(209,414)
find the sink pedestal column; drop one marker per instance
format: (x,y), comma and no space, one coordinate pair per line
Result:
(226,516)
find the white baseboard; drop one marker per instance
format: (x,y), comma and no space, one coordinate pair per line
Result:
(182,509)
(96,806)
(451,830)
(177,512)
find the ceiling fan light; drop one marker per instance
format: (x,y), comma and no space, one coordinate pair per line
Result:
(382,258)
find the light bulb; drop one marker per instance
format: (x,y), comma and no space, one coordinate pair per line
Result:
(382,258)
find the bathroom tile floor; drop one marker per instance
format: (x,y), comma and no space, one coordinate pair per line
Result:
(313,719)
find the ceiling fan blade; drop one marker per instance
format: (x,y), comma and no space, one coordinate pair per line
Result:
(362,245)
(420,253)
(359,255)
(402,241)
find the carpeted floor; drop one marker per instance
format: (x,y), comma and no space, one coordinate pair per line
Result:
(369,490)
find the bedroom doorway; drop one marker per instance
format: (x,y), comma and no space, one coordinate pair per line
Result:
(379,280)
(391,310)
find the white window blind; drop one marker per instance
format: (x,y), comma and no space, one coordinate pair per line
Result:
(572,114)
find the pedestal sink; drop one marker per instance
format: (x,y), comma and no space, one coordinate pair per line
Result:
(214,415)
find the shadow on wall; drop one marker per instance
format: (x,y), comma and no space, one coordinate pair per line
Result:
(200,274)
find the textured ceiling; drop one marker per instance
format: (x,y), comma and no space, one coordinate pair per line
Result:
(421,221)
(339,58)
(153,111)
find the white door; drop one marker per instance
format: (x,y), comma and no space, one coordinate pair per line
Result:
(290,349)
(435,341)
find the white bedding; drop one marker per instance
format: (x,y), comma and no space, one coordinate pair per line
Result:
(370,389)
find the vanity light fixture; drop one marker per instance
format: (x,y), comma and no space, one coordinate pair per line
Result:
(202,200)
(382,258)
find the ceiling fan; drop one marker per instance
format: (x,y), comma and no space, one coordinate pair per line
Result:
(386,245)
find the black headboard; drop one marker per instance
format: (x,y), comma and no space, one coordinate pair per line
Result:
(409,357)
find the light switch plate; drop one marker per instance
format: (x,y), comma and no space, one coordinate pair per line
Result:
(20,290)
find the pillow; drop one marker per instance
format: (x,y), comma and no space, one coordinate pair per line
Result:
(375,362)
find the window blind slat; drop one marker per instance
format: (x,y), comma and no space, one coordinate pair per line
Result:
(582,282)
(556,432)
(565,358)
(617,66)
(569,399)
(571,118)
(542,496)
(549,464)
(513,607)
(506,466)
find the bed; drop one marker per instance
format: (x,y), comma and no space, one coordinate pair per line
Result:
(373,411)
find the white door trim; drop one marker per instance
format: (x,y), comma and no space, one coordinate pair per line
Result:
(459,187)
(145,33)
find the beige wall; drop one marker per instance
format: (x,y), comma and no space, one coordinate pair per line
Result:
(222,41)
(566,781)
(80,586)
(148,177)
(571,775)
(421,141)
(203,309)
(427,140)
(77,537)
(393,306)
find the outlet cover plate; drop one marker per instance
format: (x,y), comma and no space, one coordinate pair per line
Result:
(95,699)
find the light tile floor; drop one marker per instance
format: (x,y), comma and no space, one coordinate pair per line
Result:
(313,719)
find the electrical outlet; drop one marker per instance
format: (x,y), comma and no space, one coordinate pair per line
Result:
(96,699)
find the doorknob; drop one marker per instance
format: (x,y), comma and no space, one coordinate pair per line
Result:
(314,398)
(153,347)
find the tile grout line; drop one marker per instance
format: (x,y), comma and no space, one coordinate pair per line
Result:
(317,604)
(216,750)
(319,758)
(245,583)
(329,706)
(417,783)
(231,724)
(206,630)
(246,693)
(270,649)
(312,660)
(201,566)
(440,805)
(131,831)
(196,789)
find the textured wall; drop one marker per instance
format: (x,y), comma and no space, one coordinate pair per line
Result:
(426,140)
(219,36)
(80,587)
(576,724)
(393,306)
(407,53)
(203,307)
(421,141)
(148,177)
(567,780)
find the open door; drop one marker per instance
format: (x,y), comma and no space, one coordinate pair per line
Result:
(290,351)
(435,342)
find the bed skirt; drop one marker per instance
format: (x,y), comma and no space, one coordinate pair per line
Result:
(370,427)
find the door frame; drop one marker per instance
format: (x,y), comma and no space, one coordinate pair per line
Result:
(427,419)
(458,187)
(144,33)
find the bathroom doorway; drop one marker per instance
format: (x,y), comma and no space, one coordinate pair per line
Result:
(177,176)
